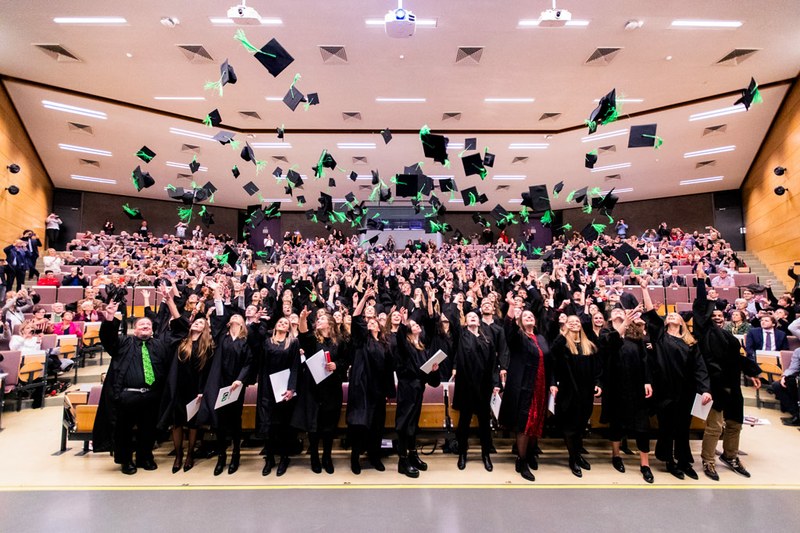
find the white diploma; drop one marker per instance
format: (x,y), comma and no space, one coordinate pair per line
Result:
(316,364)
(698,409)
(280,383)
(227,396)
(438,357)
(192,408)
(495,404)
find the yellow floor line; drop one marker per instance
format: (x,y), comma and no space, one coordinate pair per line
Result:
(44,488)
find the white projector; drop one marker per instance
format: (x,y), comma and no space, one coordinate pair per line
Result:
(400,23)
(243,15)
(553,18)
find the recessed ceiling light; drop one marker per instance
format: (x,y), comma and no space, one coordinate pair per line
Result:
(90,20)
(422,23)
(532,23)
(179,98)
(701,180)
(528,146)
(84,150)
(184,166)
(601,136)
(617,191)
(509,100)
(187,133)
(398,100)
(634,24)
(170,22)
(271,145)
(72,109)
(739,108)
(706,23)
(355,146)
(509,177)
(128,55)
(94,180)
(224,21)
(668,58)
(720,150)
(274,98)
(611,167)
(626,100)
(288,200)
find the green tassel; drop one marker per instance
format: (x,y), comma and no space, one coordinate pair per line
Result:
(261,253)
(658,140)
(594,191)
(524,213)
(424,130)
(757,98)
(141,154)
(202,211)
(170,187)
(446,163)
(464,241)
(314,219)
(131,211)
(240,36)
(567,226)
(211,198)
(547,218)
(612,117)
(185,213)
(134,180)
(590,264)
(461,153)
(260,165)
(472,199)
(591,123)
(374,194)
(537,251)
(571,196)
(214,86)
(501,260)
(222,258)
(376,215)
(207,121)
(235,144)
(587,209)
(598,249)
(521,247)
(295,80)
(599,228)
(483,173)
(610,219)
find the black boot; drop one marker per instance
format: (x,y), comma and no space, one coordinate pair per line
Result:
(522,467)
(573,466)
(355,463)
(282,466)
(375,461)
(234,466)
(487,461)
(269,462)
(405,467)
(462,460)
(416,462)
(220,463)
(316,466)
(327,463)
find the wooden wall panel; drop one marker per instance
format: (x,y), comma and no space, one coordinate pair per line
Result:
(773,222)
(29,208)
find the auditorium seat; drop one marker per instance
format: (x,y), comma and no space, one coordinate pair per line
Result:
(46,293)
(68,295)
(673,295)
(743,280)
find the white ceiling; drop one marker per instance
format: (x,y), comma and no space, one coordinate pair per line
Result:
(545,64)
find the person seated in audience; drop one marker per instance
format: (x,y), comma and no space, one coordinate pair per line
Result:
(766,337)
(17,304)
(41,323)
(673,279)
(75,278)
(723,279)
(52,261)
(56,310)
(738,324)
(66,326)
(28,340)
(87,312)
(785,390)
(49,280)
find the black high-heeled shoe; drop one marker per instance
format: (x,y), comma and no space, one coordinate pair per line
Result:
(189,463)
(221,459)
(176,465)
(316,466)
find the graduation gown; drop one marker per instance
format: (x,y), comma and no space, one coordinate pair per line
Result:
(477,370)
(231,362)
(319,405)
(275,357)
(411,382)
(371,375)
(625,373)
(576,377)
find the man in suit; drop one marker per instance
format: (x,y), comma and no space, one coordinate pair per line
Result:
(785,390)
(33,244)
(767,337)
(674,280)
(18,260)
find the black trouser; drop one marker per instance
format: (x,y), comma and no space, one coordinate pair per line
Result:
(52,236)
(674,421)
(32,270)
(616,432)
(140,410)
(280,440)
(15,274)
(484,427)
(787,395)
(368,438)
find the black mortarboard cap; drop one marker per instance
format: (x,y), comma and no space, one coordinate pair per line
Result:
(247,153)
(499,212)
(313,98)
(214,118)
(590,233)
(470,195)
(376,179)
(353,175)
(607,202)
(435,147)
(331,182)
(293,98)
(473,164)
(478,219)
(227,74)
(145,154)
(641,136)
(604,111)
(447,184)
(558,188)
(250,188)
(387,135)
(207,218)
(412,169)
(278,172)
(589,160)
(482,198)
(288,190)
(540,198)
(581,194)
(274,57)
(133,213)
(281,132)
(256,217)
(231,254)
(142,180)
(385,194)
(294,178)
(488,159)
(224,137)
(235,171)
(325,202)
(408,185)
(749,95)
(372,240)
(184,195)
(526,199)
(273,211)
(625,254)
(301,200)
(350,198)
(194,165)
(373,223)
(470,143)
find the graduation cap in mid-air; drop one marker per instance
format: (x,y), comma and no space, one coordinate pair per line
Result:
(625,254)
(590,159)
(750,95)
(605,112)
(226,75)
(644,135)
(133,213)
(272,55)
(224,137)
(434,146)
(473,164)
(235,171)
(145,154)
(141,180)
(213,119)
(387,135)
(325,160)
(293,98)
(250,188)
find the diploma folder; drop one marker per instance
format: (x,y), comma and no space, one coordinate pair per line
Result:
(316,365)
(226,396)
(438,357)
(280,383)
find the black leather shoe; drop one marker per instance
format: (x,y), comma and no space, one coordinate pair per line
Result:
(462,461)
(735,465)
(583,463)
(647,474)
(176,465)
(533,462)
(619,466)
(316,466)
(129,469)
(234,466)
(791,421)
(673,469)
(189,463)
(576,470)
(416,462)
(487,462)
(355,463)
(282,466)
(377,464)
(521,466)
(327,463)
(405,468)
(688,471)
(221,459)
(269,462)
(147,464)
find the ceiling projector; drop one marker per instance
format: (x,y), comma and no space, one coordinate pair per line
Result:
(243,15)
(400,23)
(555,17)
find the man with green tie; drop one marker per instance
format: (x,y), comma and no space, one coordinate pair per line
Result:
(131,393)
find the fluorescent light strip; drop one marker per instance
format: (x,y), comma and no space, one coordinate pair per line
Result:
(72,109)
(720,150)
(601,136)
(90,20)
(179,98)
(706,24)
(509,177)
(271,145)
(611,167)
(84,150)
(355,146)
(364,177)
(265,21)
(508,100)
(701,180)
(422,23)
(274,98)
(515,201)
(287,200)
(441,177)
(528,146)
(626,100)
(456,201)
(617,191)
(385,99)
(94,180)
(739,108)
(187,133)
(184,166)
(455,146)
(532,23)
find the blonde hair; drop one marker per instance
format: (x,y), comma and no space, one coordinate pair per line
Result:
(685,335)
(242,327)
(582,347)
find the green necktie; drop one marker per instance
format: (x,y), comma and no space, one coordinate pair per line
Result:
(149,376)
